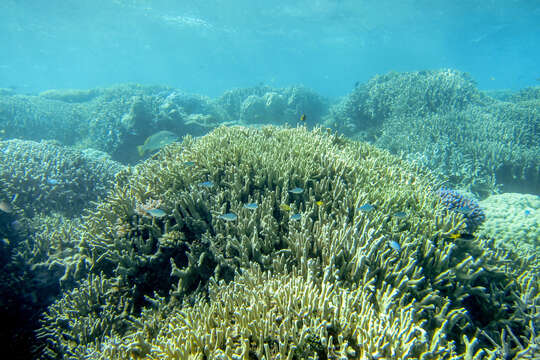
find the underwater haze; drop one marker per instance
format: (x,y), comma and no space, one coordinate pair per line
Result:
(209,46)
(270,180)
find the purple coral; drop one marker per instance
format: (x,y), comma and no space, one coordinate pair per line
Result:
(454,201)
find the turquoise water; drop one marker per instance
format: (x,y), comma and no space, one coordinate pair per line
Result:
(208,47)
(317,179)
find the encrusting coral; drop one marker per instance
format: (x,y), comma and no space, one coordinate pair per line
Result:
(305,274)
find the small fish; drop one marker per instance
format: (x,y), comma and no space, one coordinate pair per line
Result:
(228,216)
(319,203)
(366,208)
(303,118)
(52,181)
(207,184)
(189,163)
(400,214)
(284,207)
(296,216)
(157,213)
(5,207)
(296,190)
(455,236)
(5,241)
(465,210)
(394,245)
(527,212)
(251,206)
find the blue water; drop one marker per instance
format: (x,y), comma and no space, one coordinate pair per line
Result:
(210,46)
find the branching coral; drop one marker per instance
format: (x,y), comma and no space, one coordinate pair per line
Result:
(329,284)
(415,94)
(46,177)
(439,119)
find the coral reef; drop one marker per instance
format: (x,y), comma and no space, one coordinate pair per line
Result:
(513,221)
(28,282)
(157,272)
(266,105)
(37,118)
(114,119)
(441,121)
(481,149)
(526,95)
(415,94)
(469,208)
(44,177)
(43,186)
(70,95)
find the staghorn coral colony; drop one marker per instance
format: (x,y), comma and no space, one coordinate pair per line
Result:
(482,142)
(440,120)
(44,189)
(160,269)
(45,177)
(277,242)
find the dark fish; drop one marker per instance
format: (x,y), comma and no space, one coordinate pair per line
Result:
(400,214)
(467,236)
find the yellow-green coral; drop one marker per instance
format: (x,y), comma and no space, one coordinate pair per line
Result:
(291,317)
(429,300)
